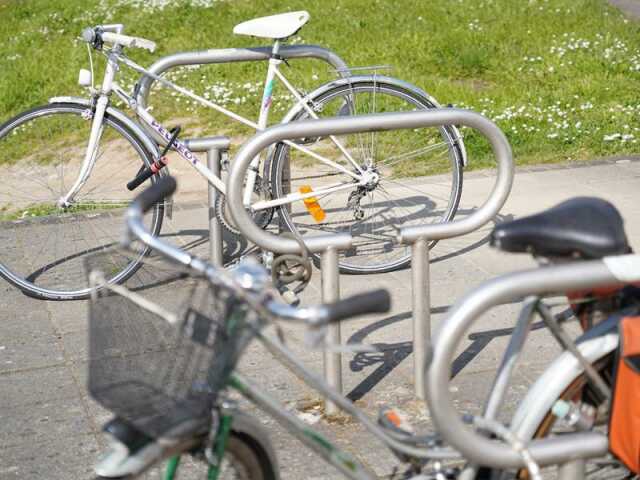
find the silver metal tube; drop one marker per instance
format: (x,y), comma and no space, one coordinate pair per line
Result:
(137,229)
(215,229)
(205,144)
(568,447)
(510,358)
(228,55)
(463,314)
(291,361)
(574,470)
(568,344)
(421,311)
(365,123)
(330,294)
(299,429)
(214,146)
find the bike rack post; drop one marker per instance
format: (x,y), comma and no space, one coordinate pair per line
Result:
(215,147)
(419,238)
(420,235)
(331,293)
(421,303)
(573,470)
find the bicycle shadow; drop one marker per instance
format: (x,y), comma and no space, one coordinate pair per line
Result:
(388,238)
(390,355)
(197,245)
(194,241)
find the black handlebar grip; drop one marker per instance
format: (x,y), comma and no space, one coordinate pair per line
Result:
(155,193)
(145,173)
(140,178)
(376,301)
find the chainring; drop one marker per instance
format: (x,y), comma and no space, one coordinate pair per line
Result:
(261,218)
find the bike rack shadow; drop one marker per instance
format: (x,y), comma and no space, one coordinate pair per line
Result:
(390,355)
(499,218)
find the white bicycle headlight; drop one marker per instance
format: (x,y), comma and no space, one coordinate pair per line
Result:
(84,78)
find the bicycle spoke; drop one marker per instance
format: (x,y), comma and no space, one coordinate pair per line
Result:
(399,168)
(415,153)
(48,244)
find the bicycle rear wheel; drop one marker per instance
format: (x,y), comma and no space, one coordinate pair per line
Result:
(579,391)
(417,175)
(42,245)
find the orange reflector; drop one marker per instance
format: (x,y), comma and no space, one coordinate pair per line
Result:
(312,204)
(393,418)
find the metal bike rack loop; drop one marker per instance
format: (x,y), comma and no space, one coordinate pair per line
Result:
(419,236)
(566,449)
(215,147)
(229,55)
(331,244)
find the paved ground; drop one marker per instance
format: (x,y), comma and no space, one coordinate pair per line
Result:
(49,428)
(630,7)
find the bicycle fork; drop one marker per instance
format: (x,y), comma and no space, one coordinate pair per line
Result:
(90,156)
(97,127)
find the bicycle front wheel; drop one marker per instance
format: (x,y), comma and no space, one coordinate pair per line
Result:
(42,244)
(243,460)
(415,176)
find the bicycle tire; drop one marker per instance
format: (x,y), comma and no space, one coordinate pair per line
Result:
(41,249)
(393,257)
(244,457)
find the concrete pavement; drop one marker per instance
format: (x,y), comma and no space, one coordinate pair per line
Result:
(50,428)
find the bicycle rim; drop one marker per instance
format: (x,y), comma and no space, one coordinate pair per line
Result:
(419,171)
(42,246)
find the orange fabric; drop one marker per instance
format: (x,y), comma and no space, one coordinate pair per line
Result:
(624,425)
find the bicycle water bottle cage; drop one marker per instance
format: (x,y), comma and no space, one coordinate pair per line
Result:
(580,228)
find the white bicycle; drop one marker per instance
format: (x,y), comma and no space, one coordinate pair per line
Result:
(65,166)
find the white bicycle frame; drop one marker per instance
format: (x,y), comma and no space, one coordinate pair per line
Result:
(114,57)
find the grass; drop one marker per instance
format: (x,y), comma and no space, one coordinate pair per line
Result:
(46,209)
(560,77)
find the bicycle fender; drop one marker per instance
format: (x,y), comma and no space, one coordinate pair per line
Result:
(246,424)
(396,82)
(137,130)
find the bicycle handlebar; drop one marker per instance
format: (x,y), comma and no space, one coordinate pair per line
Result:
(375,301)
(165,187)
(98,35)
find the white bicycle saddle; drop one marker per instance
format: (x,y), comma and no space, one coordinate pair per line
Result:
(274,26)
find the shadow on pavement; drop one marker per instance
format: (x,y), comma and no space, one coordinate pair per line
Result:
(390,355)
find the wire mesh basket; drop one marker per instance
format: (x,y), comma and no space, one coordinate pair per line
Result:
(162,345)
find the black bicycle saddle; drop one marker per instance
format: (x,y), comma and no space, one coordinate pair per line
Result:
(583,227)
